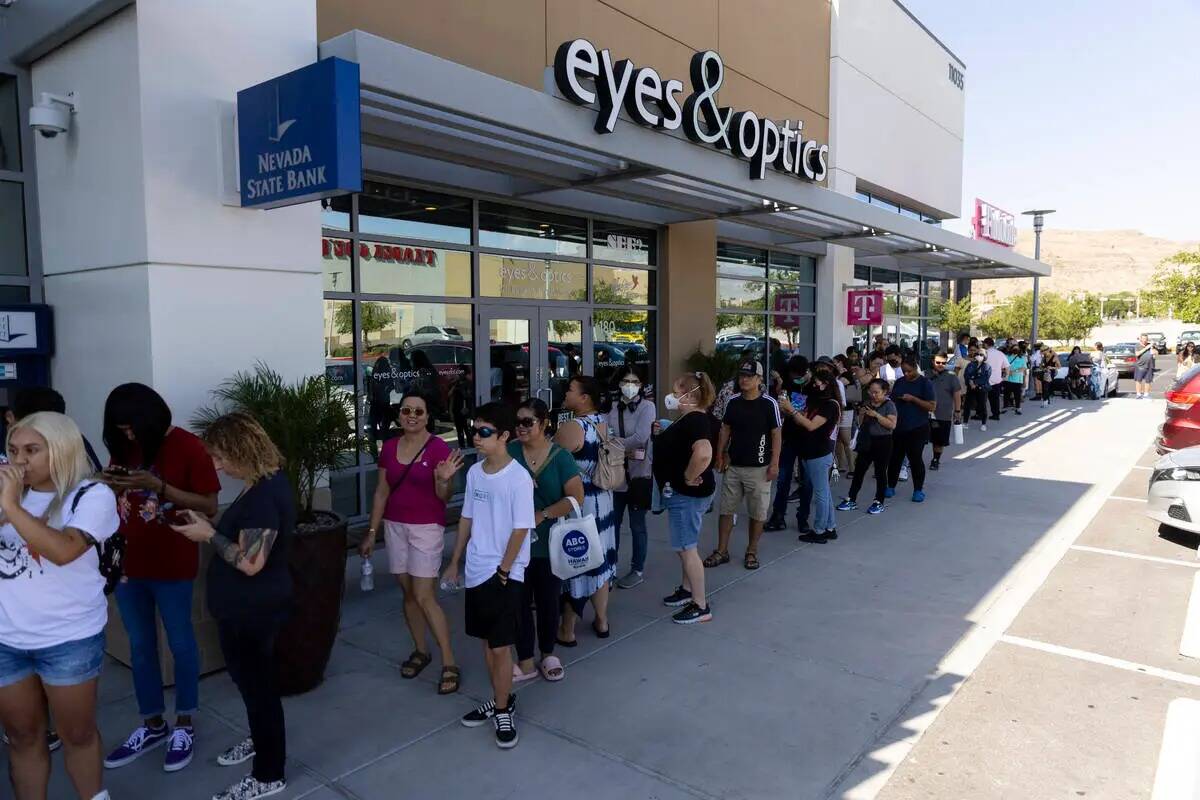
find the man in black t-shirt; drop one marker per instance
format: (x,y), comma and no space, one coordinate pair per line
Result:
(748,454)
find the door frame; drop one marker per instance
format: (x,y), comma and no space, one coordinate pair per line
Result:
(539,342)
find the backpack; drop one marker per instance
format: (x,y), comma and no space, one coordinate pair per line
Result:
(111,551)
(610,462)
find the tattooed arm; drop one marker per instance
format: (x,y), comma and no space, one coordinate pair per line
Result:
(249,554)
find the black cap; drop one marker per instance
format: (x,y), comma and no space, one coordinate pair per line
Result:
(750,368)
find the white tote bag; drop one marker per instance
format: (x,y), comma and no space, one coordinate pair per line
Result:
(575,545)
(956,433)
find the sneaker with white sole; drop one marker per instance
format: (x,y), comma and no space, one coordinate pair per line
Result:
(904,472)
(240,753)
(691,614)
(480,716)
(179,748)
(141,741)
(250,788)
(505,721)
(632,579)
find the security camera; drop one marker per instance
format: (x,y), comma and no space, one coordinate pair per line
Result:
(52,114)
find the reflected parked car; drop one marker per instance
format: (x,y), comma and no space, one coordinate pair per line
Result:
(1123,357)
(432,333)
(1174,494)
(1181,429)
(1159,341)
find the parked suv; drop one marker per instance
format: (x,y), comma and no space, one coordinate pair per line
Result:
(1159,341)
(1182,426)
(1185,337)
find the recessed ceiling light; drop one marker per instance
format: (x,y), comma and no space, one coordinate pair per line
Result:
(431,208)
(544,225)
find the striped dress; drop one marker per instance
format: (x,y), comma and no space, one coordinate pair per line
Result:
(599,503)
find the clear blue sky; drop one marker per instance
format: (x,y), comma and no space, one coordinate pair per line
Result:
(1091,107)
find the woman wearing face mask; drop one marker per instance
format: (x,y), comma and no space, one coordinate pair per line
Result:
(683,471)
(818,423)
(794,394)
(877,420)
(416,479)
(629,422)
(978,376)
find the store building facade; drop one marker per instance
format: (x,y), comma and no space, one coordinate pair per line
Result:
(550,187)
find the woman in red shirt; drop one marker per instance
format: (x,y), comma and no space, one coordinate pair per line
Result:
(156,470)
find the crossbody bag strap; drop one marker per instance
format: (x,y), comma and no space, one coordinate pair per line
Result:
(408,467)
(549,457)
(621,419)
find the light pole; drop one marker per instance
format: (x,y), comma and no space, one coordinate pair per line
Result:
(1039,218)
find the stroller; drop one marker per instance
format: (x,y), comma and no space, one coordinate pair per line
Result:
(1079,380)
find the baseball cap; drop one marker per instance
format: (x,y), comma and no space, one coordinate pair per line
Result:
(825,360)
(750,368)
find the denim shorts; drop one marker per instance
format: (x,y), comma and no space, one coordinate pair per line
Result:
(685,515)
(66,664)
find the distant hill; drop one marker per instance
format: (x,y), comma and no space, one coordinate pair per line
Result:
(1104,262)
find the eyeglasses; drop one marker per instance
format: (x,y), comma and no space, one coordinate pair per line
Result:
(526,422)
(631,383)
(484,432)
(410,411)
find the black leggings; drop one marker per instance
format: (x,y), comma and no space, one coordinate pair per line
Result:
(911,445)
(977,401)
(539,600)
(249,649)
(1013,391)
(878,454)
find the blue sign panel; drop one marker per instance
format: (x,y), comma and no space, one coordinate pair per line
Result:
(299,136)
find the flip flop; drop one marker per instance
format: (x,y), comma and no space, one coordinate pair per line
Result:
(599,633)
(552,669)
(562,643)
(522,677)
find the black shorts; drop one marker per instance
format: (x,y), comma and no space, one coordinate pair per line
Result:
(939,432)
(1143,374)
(492,609)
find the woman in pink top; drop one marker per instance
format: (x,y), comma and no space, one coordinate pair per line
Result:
(416,473)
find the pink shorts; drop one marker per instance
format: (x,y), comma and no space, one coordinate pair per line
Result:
(414,549)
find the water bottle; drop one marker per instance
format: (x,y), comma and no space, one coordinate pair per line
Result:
(667,491)
(450,586)
(367,581)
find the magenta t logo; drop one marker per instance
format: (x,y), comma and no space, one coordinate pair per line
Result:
(864,307)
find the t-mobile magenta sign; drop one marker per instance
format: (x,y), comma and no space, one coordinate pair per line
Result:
(864,307)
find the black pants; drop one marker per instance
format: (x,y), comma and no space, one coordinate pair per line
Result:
(249,648)
(540,602)
(994,400)
(977,402)
(911,445)
(878,454)
(1013,392)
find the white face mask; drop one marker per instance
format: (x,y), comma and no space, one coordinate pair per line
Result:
(979,358)
(630,390)
(671,402)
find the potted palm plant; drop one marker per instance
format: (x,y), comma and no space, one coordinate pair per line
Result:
(311,422)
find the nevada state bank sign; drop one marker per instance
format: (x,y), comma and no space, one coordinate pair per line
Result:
(586,76)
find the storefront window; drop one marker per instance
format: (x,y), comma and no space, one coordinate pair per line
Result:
(336,264)
(413,213)
(623,340)
(793,267)
(738,293)
(335,212)
(795,335)
(512,228)
(506,276)
(12,229)
(402,269)
(620,286)
(793,299)
(10,295)
(735,331)
(615,242)
(10,125)
(736,259)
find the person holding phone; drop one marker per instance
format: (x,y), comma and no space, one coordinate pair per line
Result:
(793,395)
(876,421)
(818,422)
(1143,371)
(155,469)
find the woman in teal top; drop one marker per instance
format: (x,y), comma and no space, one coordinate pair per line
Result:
(1014,384)
(555,479)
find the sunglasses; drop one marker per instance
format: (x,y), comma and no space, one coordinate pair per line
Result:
(485,432)
(526,422)
(409,411)
(940,363)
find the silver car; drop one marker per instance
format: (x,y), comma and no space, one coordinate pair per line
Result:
(1174,495)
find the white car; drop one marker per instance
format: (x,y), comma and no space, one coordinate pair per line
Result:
(432,333)
(1174,495)
(1108,386)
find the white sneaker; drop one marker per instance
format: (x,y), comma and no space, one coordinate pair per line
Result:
(240,753)
(983,427)
(904,473)
(250,788)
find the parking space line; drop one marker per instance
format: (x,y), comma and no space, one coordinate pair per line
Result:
(1158,559)
(1127,499)
(1178,774)
(1108,661)
(1190,644)
(997,447)
(1139,466)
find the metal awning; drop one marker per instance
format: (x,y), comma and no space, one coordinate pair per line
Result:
(438,122)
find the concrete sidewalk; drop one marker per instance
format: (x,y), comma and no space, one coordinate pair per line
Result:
(815,678)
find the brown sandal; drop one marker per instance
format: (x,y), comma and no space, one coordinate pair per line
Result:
(415,665)
(751,561)
(716,559)
(450,678)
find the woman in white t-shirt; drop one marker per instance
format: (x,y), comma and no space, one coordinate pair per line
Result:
(52,606)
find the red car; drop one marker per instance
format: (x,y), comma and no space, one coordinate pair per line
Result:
(1182,426)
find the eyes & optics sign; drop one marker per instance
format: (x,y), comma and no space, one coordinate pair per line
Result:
(299,136)
(586,76)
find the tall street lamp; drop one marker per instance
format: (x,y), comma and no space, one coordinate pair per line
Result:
(1039,219)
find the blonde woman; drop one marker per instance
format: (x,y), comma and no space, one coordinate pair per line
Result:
(52,606)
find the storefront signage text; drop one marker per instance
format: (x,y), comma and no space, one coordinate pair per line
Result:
(391,253)
(994,225)
(625,242)
(586,76)
(864,307)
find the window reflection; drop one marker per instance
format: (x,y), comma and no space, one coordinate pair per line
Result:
(335,212)
(513,228)
(623,340)
(619,286)
(336,264)
(413,213)
(615,242)
(506,276)
(736,259)
(738,293)
(403,269)
(12,229)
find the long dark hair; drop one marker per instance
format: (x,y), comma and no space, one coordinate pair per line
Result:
(146,414)
(541,411)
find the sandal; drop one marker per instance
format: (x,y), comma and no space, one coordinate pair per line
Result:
(450,679)
(552,669)
(716,559)
(565,643)
(521,677)
(601,634)
(751,561)
(415,665)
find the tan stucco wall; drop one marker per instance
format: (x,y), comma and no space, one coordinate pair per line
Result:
(776,52)
(687,296)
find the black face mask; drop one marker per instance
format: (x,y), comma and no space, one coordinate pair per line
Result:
(894,362)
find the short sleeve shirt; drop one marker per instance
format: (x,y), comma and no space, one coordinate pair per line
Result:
(673,452)
(1146,359)
(547,490)
(1016,369)
(911,416)
(43,604)
(414,500)
(945,386)
(497,504)
(750,424)
(871,425)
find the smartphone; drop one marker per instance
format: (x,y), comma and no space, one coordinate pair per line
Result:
(177,516)
(117,469)
(799,400)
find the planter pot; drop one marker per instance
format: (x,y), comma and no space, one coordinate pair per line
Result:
(317,560)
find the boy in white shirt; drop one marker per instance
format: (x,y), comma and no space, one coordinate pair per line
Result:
(497,515)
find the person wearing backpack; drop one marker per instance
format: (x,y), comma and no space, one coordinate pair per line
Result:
(52,605)
(157,471)
(585,436)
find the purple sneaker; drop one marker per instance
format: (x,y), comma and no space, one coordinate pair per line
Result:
(140,742)
(179,749)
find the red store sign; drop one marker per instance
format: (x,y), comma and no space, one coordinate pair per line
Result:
(387,253)
(864,307)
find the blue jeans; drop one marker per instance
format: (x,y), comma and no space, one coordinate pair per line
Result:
(137,599)
(814,490)
(685,515)
(783,484)
(637,527)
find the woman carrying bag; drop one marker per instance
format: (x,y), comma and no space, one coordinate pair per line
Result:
(629,422)
(555,480)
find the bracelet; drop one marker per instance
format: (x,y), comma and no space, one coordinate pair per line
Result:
(503,573)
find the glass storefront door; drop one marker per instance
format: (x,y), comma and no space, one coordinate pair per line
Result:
(530,351)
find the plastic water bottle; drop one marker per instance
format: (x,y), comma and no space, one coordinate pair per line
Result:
(367,581)
(667,491)
(450,586)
